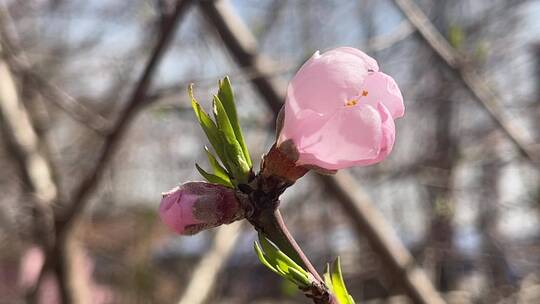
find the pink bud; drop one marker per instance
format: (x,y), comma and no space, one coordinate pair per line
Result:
(195,206)
(340,111)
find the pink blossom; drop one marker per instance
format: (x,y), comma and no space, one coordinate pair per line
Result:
(195,206)
(339,111)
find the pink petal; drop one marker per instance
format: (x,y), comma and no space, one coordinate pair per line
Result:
(300,125)
(353,134)
(370,62)
(382,88)
(325,82)
(176,210)
(388,137)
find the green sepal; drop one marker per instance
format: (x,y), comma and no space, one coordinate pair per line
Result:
(226,96)
(216,166)
(232,149)
(214,178)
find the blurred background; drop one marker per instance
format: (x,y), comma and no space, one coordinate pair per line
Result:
(95,123)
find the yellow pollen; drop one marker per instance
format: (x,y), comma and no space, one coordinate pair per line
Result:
(351,102)
(364,93)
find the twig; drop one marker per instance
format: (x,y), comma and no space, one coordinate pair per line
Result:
(135,103)
(382,42)
(242,45)
(17,122)
(36,168)
(73,107)
(270,223)
(366,219)
(21,65)
(473,81)
(24,142)
(262,195)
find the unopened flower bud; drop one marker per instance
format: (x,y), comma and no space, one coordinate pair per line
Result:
(195,206)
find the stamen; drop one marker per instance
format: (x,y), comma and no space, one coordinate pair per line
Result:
(351,102)
(364,93)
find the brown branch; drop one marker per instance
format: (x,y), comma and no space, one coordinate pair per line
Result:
(367,220)
(19,62)
(66,218)
(481,91)
(73,107)
(242,45)
(113,139)
(39,172)
(37,169)
(18,126)
(262,197)
(31,153)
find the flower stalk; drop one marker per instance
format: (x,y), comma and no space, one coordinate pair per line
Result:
(277,174)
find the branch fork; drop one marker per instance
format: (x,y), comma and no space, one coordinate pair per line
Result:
(261,200)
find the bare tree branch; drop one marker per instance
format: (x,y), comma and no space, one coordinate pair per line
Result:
(37,169)
(18,127)
(73,107)
(57,258)
(482,92)
(367,220)
(113,139)
(20,63)
(382,42)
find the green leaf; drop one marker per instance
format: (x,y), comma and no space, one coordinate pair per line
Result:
(216,166)
(232,149)
(275,254)
(214,178)
(338,285)
(209,127)
(301,278)
(264,261)
(328,278)
(278,262)
(298,280)
(226,96)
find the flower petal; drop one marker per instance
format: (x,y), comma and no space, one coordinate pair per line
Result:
(325,82)
(388,137)
(353,134)
(382,88)
(370,62)
(298,126)
(176,210)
